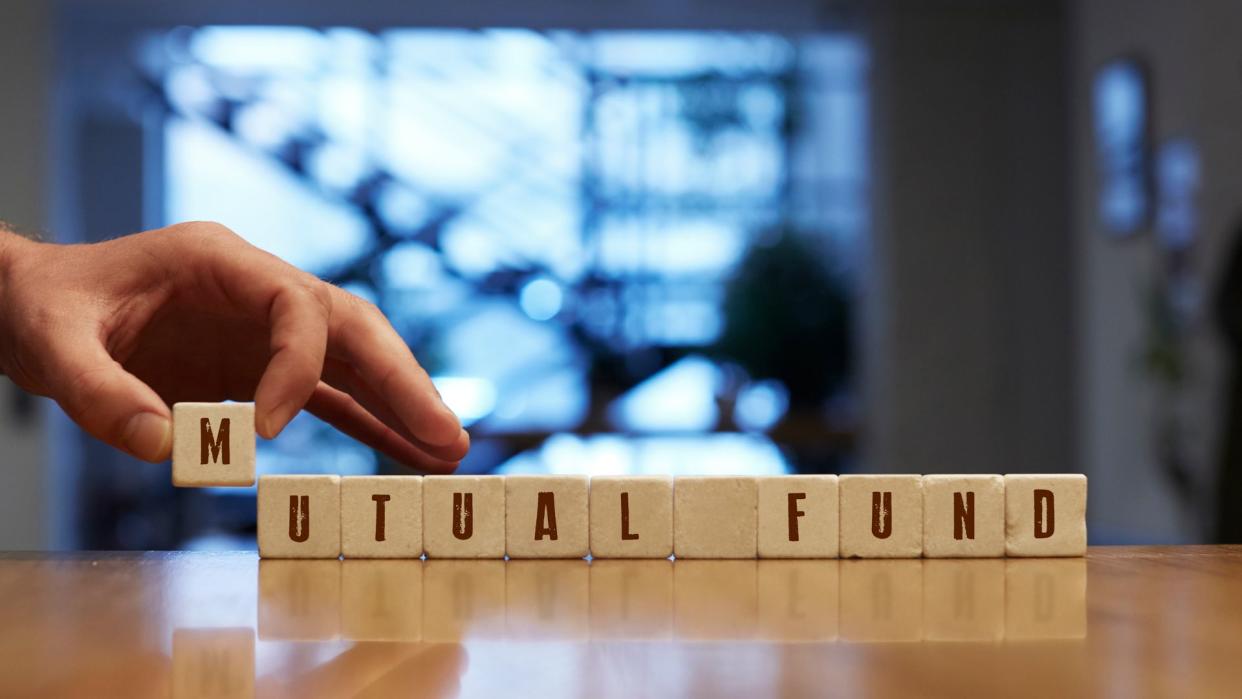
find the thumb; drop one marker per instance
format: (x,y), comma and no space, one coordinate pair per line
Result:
(107,401)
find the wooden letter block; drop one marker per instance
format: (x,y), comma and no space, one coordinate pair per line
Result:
(546,516)
(632,517)
(213,444)
(1046,515)
(881,516)
(300,516)
(382,516)
(382,600)
(798,517)
(209,663)
(632,600)
(798,600)
(881,600)
(964,600)
(964,516)
(714,517)
(464,516)
(299,600)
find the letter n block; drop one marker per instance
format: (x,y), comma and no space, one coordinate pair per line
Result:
(382,517)
(1046,514)
(964,516)
(632,516)
(300,516)
(464,516)
(213,444)
(546,516)
(881,516)
(798,517)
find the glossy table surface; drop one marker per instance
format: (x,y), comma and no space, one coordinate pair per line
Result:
(1152,621)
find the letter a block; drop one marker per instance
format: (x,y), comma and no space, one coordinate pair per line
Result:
(963,516)
(546,516)
(382,516)
(1046,514)
(300,516)
(632,516)
(464,516)
(881,516)
(798,517)
(213,444)
(714,517)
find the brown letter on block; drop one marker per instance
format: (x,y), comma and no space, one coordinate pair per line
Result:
(794,514)
(1045,524)
(881,514)
(217,445)
(299,518)
(545,516)
(626,535)
(380,499)
(964,515)
(463,515)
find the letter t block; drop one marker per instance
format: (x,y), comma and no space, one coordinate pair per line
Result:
(382,516)
(213,444)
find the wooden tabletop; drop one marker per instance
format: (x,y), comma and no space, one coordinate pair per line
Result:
(1152,621)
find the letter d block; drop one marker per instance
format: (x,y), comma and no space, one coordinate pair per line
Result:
(546,517)
(213,444)
(1046,514)
(464,516)
(300,516)
(881,516)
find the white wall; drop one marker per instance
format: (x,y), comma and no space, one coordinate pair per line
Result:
(25,76)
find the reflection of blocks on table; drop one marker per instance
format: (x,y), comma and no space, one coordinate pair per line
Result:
(464,516)
(213,444)
(715,600)
(798,517)
(212,663)
(463,599)
(546,516)
(798,600)
(881,516)
(882,600)
(963,516)
(299,516)
(1046,514)
(299,600)
(964,600)
(547,600)
(631,600)
(631,516)
(382,600)
(382,516)
(1045,599)
(714,517)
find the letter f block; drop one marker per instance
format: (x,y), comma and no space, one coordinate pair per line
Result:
(213,444)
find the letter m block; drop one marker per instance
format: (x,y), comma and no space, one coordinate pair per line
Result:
(213,444)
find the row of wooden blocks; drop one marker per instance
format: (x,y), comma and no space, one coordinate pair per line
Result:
(812,516)
(782,600)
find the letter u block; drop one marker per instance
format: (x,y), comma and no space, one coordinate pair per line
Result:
(881,516)
(464,516)
(300,516)
(1046,514)
(213,444)
(546,516)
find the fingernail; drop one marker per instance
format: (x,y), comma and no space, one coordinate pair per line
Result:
(148,436)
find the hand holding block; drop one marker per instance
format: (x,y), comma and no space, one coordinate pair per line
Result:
(546,516)
(1046,514)
(382,516)
(300,516)
(963,516)
(464,516)
(714,517)
(881,516)
(213,444)
(632,517)
(798,517)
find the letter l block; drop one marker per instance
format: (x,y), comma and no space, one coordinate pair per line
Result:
(213,444)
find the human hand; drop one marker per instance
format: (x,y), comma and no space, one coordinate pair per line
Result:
(116,332)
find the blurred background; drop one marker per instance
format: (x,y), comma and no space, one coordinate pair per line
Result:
(678,236)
